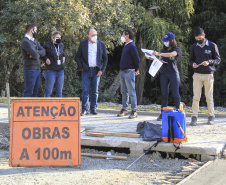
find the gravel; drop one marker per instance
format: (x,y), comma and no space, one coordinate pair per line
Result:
(150,169)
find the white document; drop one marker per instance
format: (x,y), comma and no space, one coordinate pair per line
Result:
(155,66)
(148,53)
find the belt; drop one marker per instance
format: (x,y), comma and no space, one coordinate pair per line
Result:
(93,67)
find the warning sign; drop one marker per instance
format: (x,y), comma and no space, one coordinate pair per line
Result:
(45,132)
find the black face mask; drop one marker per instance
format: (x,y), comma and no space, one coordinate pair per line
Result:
(58,41)
(200,41)
(35,34)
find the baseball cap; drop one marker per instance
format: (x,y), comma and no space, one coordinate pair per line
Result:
(168,36)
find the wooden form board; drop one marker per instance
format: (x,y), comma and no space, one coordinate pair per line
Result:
(45,132)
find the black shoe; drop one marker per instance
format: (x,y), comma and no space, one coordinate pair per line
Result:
(160,117)
(193,121)
(83,113)
(133,115)
(94,112)
(210,120)
(123,112)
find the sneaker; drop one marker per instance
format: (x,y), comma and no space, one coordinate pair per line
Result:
(160,117)
(83,113)
(123,112)
(133,115)
(210,120)
(193,121)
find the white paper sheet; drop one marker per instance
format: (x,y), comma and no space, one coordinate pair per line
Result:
(155,66)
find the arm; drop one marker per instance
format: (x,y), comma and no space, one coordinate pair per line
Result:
(41,51)
(136,58)
(216,56)
(172,54)
(78,56)
(27,46)
(104,57)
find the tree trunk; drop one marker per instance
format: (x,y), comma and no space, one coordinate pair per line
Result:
(140,79)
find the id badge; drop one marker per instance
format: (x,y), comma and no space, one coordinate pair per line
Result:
(58,62)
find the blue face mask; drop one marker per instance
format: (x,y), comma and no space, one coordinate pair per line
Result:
(166,44)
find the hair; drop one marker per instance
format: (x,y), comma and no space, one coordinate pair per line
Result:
(129,32)
(54,33)
(29,26)
(198,31)
(172,45)
(90,30)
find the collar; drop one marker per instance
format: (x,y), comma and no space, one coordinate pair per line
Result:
(91,42)
(29,37)
(129,42)
(207,43)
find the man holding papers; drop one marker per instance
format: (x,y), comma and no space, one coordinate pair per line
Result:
(169,73)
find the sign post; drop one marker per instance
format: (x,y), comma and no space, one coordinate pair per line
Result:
(45,132)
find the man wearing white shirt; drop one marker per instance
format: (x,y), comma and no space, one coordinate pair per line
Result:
(31,53)
(92,59)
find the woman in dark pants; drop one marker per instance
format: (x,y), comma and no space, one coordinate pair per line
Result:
(169,72)
(54,62)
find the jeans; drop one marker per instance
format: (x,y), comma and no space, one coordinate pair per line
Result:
(31,82)
(200,80)
(174,80)
(90,80)
(127,80)
(51,78)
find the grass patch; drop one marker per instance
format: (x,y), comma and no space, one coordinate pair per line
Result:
(3,100)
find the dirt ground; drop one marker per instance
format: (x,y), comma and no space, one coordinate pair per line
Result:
(150,169)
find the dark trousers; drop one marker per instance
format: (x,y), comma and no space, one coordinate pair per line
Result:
(90,80)
(174,81)
(31,82)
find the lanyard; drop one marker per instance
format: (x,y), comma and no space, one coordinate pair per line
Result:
(57,51)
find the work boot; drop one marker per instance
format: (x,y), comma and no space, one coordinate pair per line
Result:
(133,115)
(193,121)
(210,120)
(122,113)
(94,112)
(160,117)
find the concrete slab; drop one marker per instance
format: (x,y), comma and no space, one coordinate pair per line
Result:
(206,142)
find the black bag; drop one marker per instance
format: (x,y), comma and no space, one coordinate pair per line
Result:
(149,131)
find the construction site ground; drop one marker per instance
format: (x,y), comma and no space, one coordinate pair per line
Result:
(205,142)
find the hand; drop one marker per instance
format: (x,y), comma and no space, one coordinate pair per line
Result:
(63,60)
(30,56)
(195,65)
(155,53)
(137,73)
(48,61)
(205,63)
(99,73)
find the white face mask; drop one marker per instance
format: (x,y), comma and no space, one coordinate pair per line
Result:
(94,39)
(166,44)
(123,39)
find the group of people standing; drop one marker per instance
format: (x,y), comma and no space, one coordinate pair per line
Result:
(92,60)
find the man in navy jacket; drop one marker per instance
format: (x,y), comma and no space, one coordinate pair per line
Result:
(92,59)
(129,68)
(204,56)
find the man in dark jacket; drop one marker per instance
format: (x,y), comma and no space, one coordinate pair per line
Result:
(31,53)
(204,56)
(129,68)
(92,59)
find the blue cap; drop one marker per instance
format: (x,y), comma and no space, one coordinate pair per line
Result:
(168,36)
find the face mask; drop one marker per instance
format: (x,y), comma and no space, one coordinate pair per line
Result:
(58,40)
(35,34)
(94,39)
(200,41)
(123,39)
(166,44)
